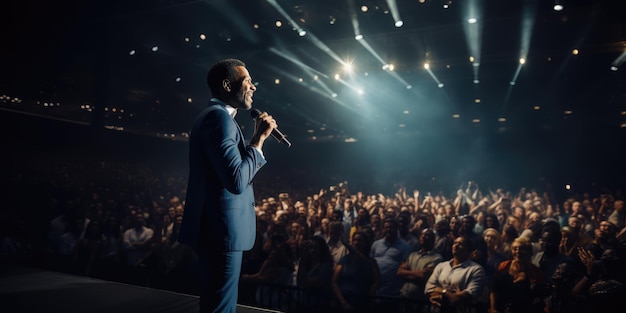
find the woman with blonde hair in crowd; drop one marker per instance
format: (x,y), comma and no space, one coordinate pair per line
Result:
(492,239)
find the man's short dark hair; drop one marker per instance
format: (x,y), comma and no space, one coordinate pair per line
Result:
(391,220)
(223,69)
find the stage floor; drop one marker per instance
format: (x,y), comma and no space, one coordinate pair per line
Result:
(29,290)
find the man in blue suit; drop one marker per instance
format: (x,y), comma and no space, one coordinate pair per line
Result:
(219,219)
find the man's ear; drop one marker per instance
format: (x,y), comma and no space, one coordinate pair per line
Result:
(226,85)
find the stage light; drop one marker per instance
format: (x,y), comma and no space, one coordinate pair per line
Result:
(558,6)
(522,61)
(399,23)
(279,24)
(472,20)
(575,52)
(426,65)
(155,48)
(364,8)
(347,67)
(302,33)
(358,37)
(132,52)
(440,85)
(614,68)
(202,37)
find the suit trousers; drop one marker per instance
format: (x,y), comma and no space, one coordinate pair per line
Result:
(219,281)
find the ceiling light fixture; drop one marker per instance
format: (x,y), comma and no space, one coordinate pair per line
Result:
(558,6)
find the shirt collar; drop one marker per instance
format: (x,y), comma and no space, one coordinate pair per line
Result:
(231,111)
(465,263)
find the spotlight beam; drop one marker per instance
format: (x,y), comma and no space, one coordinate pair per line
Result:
(393,8)
(318,43)
(473,32)
(285,15)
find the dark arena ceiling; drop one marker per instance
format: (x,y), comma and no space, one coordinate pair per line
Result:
(484,80)
(421,67)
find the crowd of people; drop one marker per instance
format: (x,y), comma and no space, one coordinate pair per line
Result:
(335,248)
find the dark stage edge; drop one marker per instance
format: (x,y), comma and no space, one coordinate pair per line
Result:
(30,290)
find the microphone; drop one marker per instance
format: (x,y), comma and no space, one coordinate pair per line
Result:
(277,134)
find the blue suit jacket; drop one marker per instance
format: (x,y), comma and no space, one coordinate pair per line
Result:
(219,207)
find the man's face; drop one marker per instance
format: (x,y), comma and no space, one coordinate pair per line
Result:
(575,223)
(549,241)
(460,249)
(242,89)
(390,230)
(427,238)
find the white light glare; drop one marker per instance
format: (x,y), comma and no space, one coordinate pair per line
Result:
(155,49)
(614,68)
(522,61)
(358,37)
(399,23)
(558,7)
(472,20)
(302,33)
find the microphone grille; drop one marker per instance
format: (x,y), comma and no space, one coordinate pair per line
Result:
(255,112)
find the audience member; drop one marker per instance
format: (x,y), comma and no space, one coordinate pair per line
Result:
(314,274)
(336,245)
(518,285)
(417,269)
(356,277)
(455,285)
(389,252)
